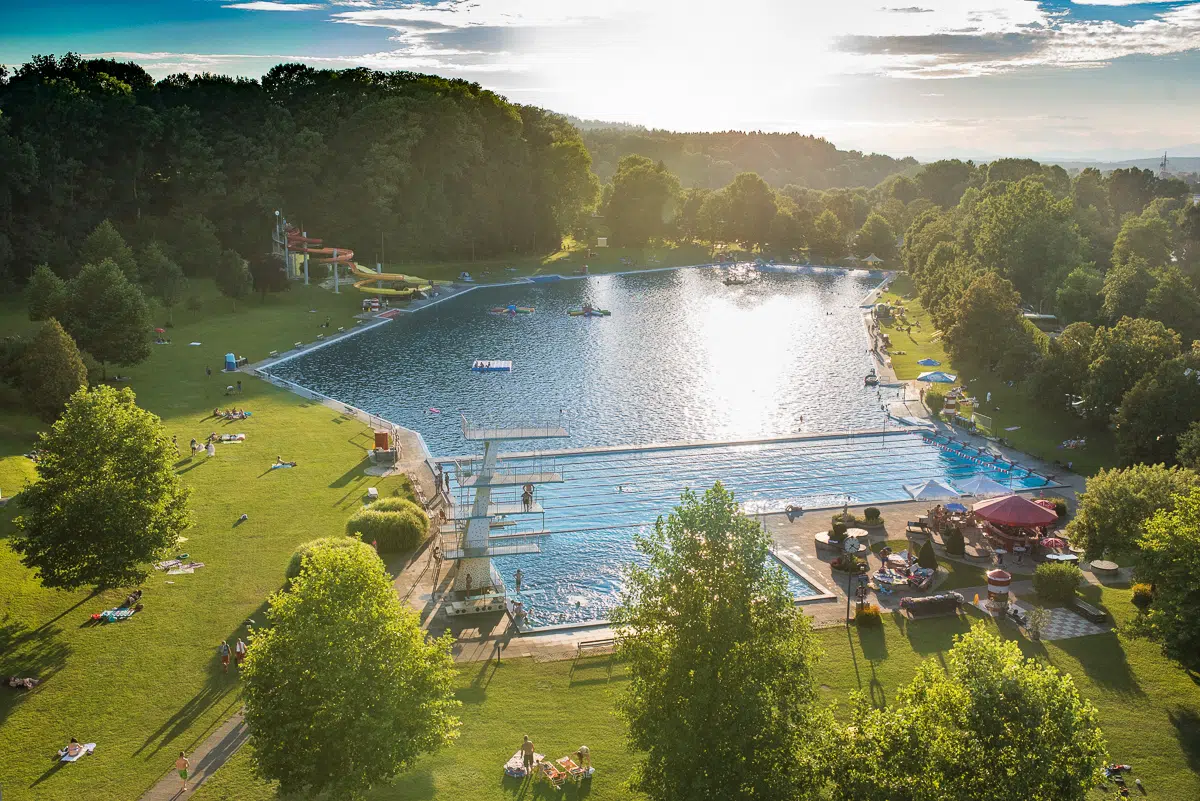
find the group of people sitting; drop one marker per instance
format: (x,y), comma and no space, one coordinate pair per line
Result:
(576,766)
(230,414)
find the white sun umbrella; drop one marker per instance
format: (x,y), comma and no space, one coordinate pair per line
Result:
(982,485)
(931,490)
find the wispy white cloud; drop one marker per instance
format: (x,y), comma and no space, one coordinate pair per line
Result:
(271,5)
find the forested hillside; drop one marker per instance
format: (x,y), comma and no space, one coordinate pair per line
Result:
(445,168)
(711,160)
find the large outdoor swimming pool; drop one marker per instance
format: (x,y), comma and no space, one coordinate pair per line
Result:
(682,358)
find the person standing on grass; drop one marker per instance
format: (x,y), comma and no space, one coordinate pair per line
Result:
(223,650)
(239,387)
(527,755)
(182,764)
(239,652)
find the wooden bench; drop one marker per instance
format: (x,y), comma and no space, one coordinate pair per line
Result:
(320,336)
(341,329)
(1092,613)
(588,645)
(298,345)
(273,354)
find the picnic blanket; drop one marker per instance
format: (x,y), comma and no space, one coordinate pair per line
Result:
(515,767)
(233,438)
(87,749)
(115,615)
(186,567)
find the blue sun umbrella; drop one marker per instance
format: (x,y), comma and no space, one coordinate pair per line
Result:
(955,507)
(938,377)
(929,363)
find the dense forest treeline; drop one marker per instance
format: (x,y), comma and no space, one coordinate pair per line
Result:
(445,168)
(712,160)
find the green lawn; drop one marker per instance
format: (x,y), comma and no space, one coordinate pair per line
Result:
(146,688)
(1040,431)
(1149,707)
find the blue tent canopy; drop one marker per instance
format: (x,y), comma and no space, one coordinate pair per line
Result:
(938,377)
(929,363)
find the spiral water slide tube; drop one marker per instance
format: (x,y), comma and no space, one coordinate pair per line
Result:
(408,284)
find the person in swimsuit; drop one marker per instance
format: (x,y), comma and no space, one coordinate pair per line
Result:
(527,754)
(182,764)
(223,650)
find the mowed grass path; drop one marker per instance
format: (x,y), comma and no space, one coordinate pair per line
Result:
(1149,708)
(146,688)
(1041,430)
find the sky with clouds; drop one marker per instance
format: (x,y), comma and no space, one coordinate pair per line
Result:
(1102,78)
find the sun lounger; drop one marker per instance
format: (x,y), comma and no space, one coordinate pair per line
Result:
(552,774)
(86,749)
(515,767)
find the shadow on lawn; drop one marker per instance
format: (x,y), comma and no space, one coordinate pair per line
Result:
(1187,730)
(218,687)
(1103,660)
(29,653)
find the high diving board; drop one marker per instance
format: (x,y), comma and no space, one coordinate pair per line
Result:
(518,430)
(514,508)
(511,479)
(498,546)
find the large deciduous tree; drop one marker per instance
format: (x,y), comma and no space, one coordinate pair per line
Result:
(1170,552)
(107,315)
(1120,356)
(107,501)
(233,276)
(750,208)
(828,239)
(721,698)
(1175,303)
(1079,296)
(643,200)
(1157,411)
(988,329)
(1116,504)
(344,689)
(875,237)
(1147,237)
(1126,287)
(52,371)
(105,242)
(982,723)
(162,275)
(1188,454)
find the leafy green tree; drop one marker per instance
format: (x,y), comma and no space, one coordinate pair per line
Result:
(876,237)
(1188,454)
(643,199)
(988,329)
(164,277)
(1158,410)
(195,246)
(1120,356)
(1175,303)
(52,371)
(107,501)
(1028,236)
(45,294)
(1079,297)
(965,729)
(688,223)
(105,242)
(1117,502)
(233,276)
(787,229)
(1188,251)
(750,206)
(1147,237)
(1090,190)
(828,239)
(347,664)
(944,181)
(721,661)
(1064,369)
(1126,288)
(1170,551)
(107,315)
(1130,190)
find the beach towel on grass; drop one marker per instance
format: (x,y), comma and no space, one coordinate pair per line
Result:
(87,749)
(515,767)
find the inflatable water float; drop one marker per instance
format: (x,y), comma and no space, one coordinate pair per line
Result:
(511,309)
(491,366)
(588,311)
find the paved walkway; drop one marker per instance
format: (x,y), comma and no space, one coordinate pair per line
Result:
(206,758)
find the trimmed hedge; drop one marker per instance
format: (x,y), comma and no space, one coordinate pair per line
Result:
(869,616)
(1060,507)
(1056,581)
(395,503)
(1143,596)
(400,529)
(926,557)
(305,550)
(872,515)
(956,544)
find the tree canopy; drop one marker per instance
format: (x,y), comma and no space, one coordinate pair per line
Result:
(642,201)
(1116,504)
(108,315)
(344,689)
(1170,551)
(107,501)
(52,371)
(720,661)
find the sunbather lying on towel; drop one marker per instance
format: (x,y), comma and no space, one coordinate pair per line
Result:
(278,465)
(20,683)
(75,750)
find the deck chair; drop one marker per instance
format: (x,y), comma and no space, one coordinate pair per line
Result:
(552,775)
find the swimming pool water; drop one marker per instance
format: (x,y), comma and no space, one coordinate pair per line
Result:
(682,358)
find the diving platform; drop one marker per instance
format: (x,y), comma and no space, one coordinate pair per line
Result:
(506,509)
(511,479)
(531,429)
(510,545)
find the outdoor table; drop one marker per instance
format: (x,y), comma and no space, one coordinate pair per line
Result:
(1103,566)
(1062,557)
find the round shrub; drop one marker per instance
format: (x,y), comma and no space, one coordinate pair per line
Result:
(390,531)
(1143,596)
(395,503)
(872,514)
(305,550)
(839,531)
(956,544)
(847,563)
(869,617)
(1055,582)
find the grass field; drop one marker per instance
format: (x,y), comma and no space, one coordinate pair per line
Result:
(1149,707)
(1040,430)
(146,688)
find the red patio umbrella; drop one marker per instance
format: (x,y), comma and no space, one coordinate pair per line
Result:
(1014,510)
(160,330)
(1052,542)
